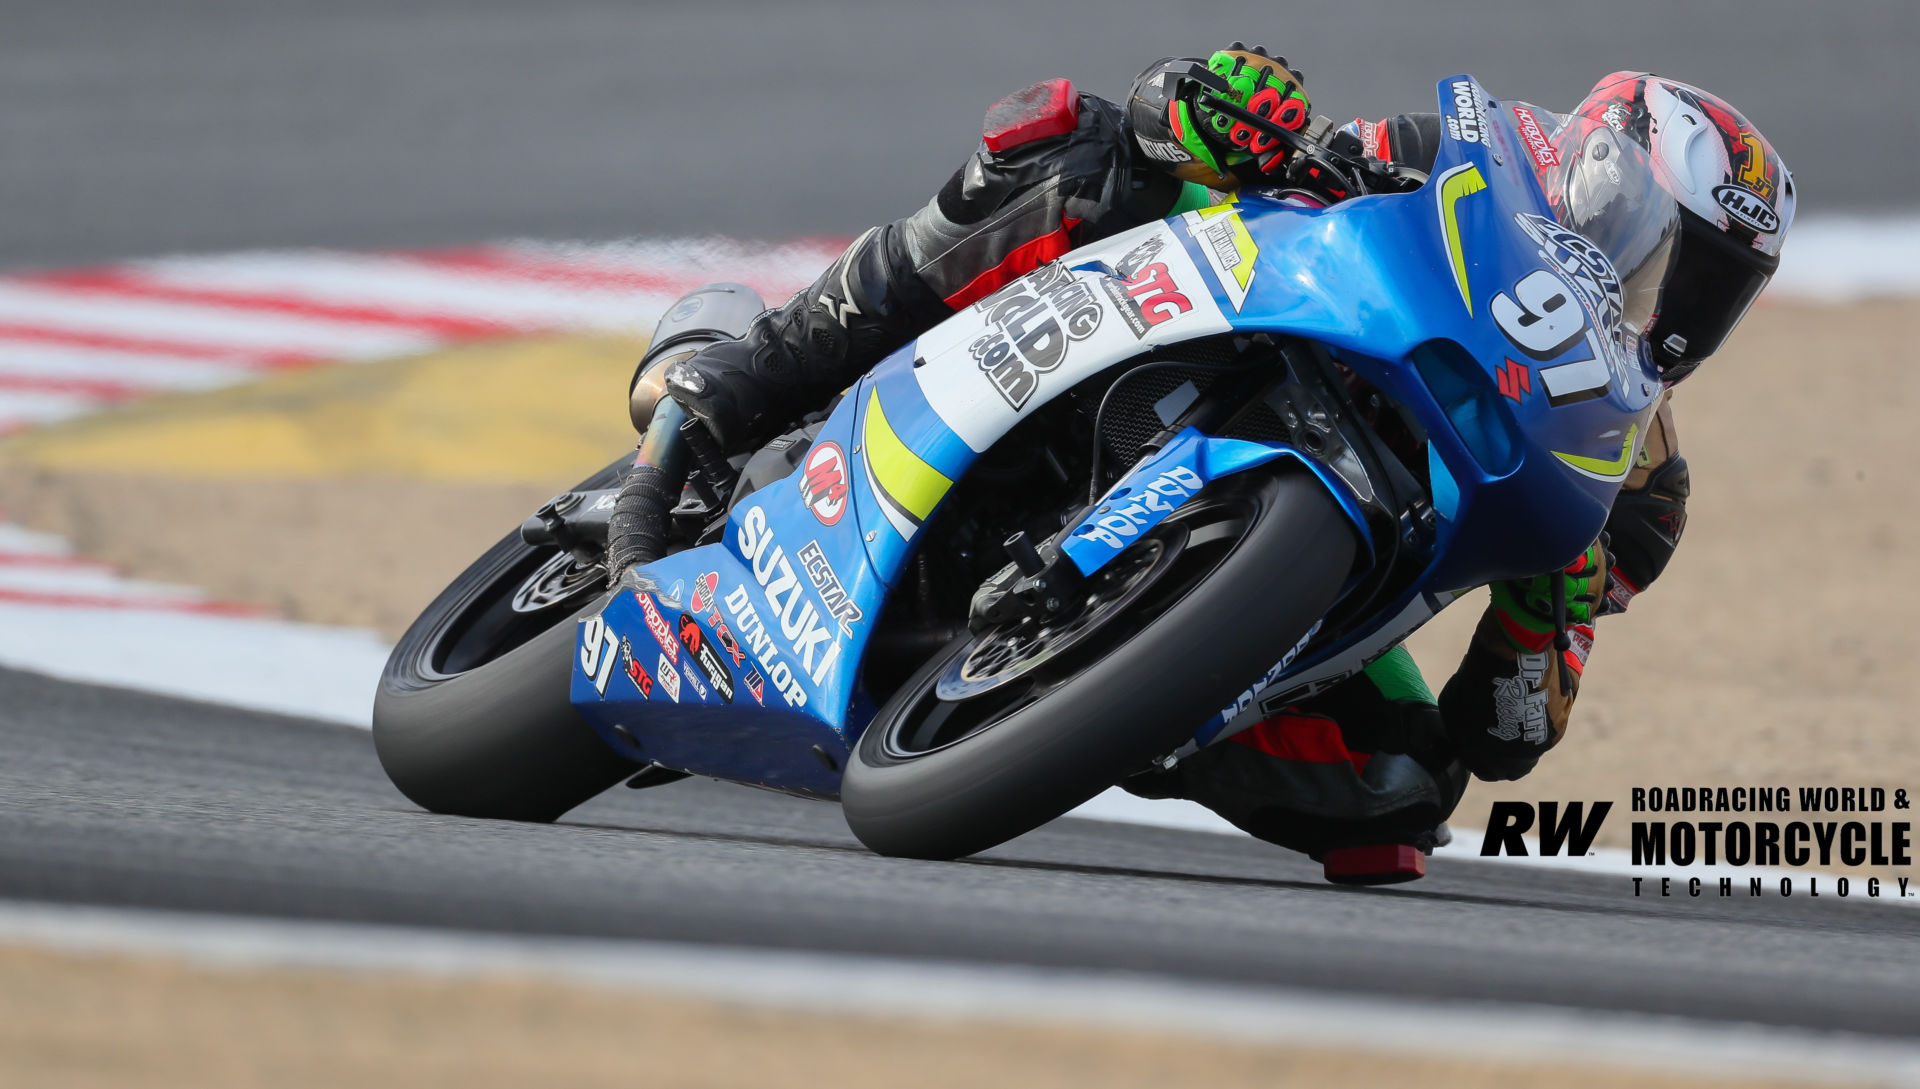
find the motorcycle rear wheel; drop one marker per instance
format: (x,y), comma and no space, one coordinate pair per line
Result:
(472,716)
(1262,559)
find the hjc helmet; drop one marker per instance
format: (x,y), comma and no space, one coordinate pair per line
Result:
(1736,202)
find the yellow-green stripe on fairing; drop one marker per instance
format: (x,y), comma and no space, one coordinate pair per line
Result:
(903,479)
(1461,181)
(1605,470)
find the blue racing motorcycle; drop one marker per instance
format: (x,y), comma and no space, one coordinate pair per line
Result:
(1123,507)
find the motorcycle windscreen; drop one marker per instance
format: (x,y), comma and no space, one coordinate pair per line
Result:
(1601,185)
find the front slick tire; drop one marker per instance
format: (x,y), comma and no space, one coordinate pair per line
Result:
(472,717)
(932,778)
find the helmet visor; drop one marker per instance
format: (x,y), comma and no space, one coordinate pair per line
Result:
(1714,282)
(1603,187)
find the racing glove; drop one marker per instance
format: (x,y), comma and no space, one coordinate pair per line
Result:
(1180,113)
(1511,697)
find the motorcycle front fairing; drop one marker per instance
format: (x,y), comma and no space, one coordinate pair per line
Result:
(772,621)
(1439,299)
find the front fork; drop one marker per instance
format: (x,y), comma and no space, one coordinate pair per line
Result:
(642,515)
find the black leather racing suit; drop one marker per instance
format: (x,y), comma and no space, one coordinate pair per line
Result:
(1375,759)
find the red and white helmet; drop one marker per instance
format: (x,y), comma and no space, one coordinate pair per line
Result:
(1736,202)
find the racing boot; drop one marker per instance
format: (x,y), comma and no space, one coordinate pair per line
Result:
(793,359)
(1360,777)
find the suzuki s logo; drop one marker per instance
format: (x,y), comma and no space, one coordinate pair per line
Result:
(1572,834)
(823,486)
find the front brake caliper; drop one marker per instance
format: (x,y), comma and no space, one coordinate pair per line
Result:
(1040,582)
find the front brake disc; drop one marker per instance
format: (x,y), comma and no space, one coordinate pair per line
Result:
(1008,652)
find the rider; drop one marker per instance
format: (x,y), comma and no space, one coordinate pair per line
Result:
(1375,759)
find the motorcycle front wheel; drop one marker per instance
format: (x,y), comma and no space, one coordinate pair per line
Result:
(472,717)
(1008,729)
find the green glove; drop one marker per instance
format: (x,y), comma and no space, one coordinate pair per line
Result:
(1525,606)
(1250,79)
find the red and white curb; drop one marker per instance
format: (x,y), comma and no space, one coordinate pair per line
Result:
(83,621)
(76,341)
(81,341)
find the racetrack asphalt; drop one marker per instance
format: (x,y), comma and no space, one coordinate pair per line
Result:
(119,798)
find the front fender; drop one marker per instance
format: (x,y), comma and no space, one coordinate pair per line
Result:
(1158,484)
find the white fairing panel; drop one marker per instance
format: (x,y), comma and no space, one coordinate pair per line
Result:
(1003,357)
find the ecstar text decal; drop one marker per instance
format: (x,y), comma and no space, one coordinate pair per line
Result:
(833,593)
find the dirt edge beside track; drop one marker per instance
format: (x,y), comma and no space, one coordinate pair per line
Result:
(132,1022)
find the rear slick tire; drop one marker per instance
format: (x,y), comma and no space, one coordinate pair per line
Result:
(1143,696)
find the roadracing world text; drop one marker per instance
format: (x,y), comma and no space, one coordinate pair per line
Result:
(1773,827)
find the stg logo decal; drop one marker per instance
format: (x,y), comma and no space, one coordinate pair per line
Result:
(1147,298)
(636,672)
(823,484)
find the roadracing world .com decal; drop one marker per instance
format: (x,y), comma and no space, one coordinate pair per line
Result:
(1731,828)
